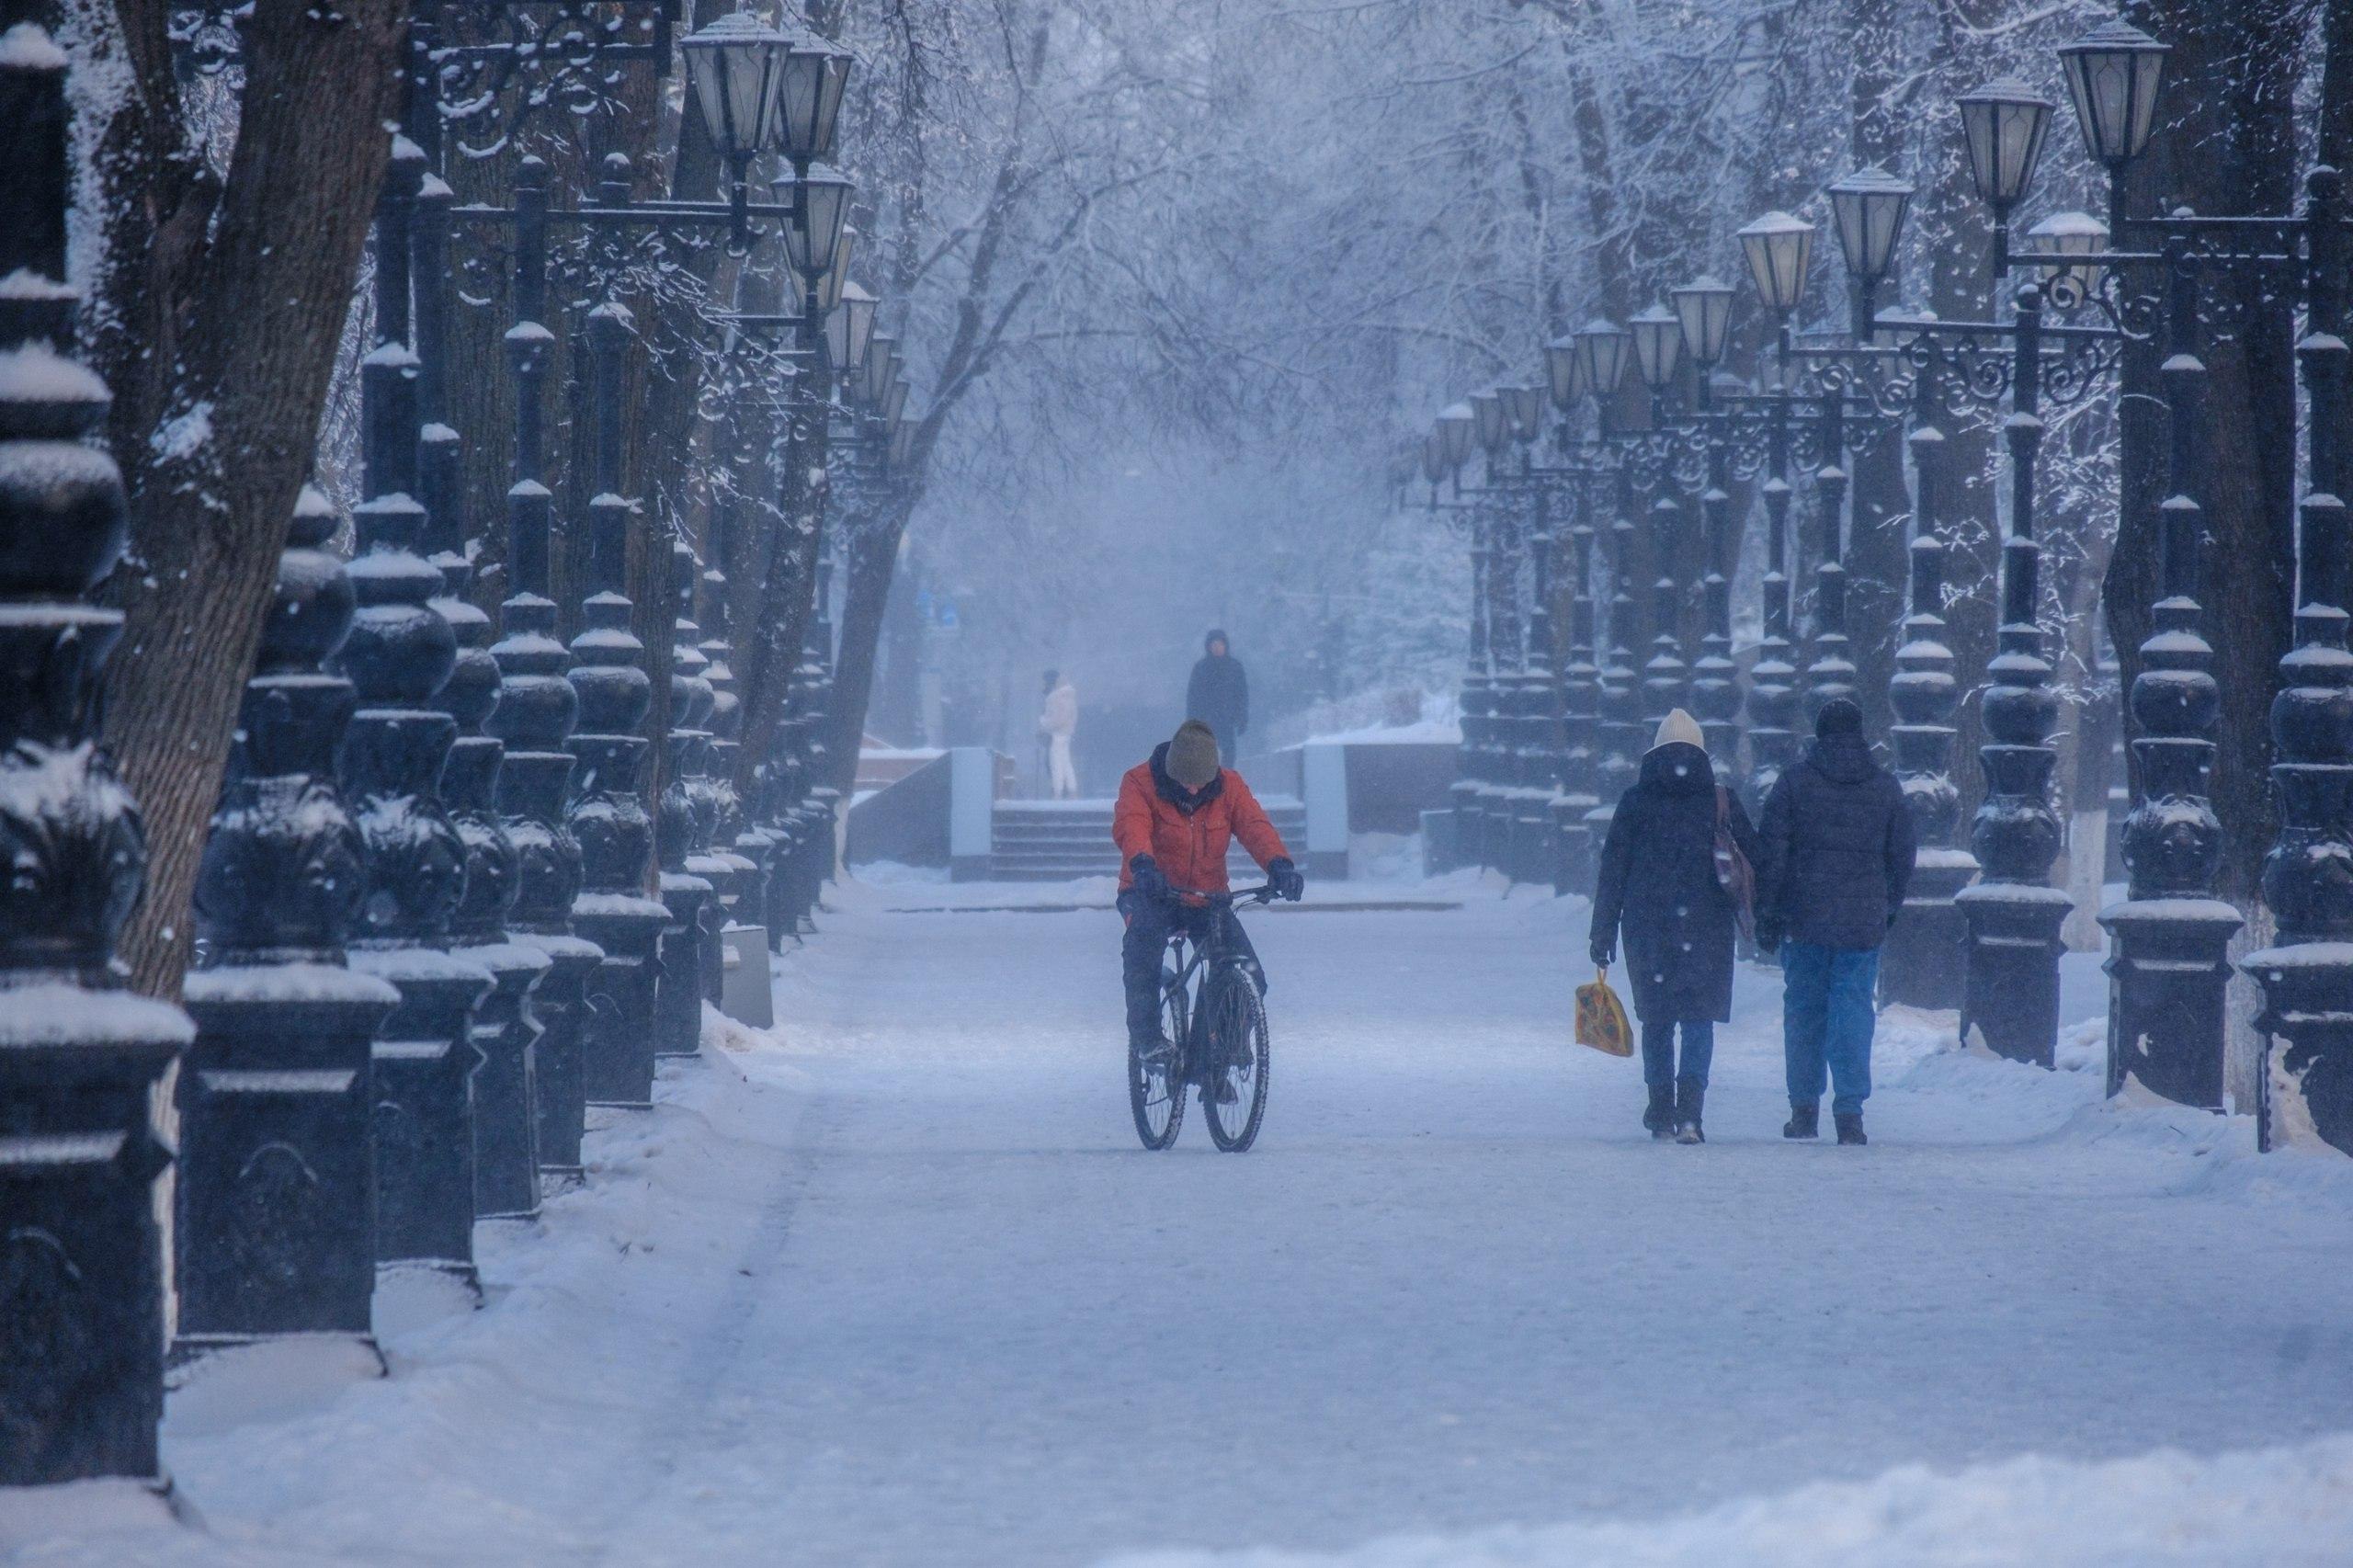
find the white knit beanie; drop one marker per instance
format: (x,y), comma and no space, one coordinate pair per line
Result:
(1680,727)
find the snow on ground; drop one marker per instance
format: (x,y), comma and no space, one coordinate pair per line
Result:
(897,1286)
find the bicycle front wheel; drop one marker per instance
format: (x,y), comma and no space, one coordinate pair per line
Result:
(1234,1099)
(1156,1075)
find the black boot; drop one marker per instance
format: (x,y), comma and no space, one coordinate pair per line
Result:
(1850,1126)
(1660,1118)
(1689,1095)
(1805,1120)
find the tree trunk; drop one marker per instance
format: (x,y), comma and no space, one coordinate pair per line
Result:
(220,357)
(873,558)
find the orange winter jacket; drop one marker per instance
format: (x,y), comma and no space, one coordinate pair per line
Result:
(1187,831)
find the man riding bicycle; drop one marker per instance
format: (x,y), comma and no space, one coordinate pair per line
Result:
(1177,813)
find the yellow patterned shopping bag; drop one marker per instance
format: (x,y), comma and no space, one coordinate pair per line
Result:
(1601,1017)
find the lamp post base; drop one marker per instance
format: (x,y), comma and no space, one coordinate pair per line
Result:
(2010,995)
(2168,968)
(1922,962)
(2307,1079)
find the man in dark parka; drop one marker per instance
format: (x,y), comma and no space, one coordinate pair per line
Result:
(1658,885)
(1838,851)
(1218,696)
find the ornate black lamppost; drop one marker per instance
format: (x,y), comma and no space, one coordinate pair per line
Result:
(399,654)
(534,718)
(1779,251)
(1703,311)
(686,892)
(81,1261)
(1658,353)
(2307,974)
(1580,677)
(275,1212)
(2169,967)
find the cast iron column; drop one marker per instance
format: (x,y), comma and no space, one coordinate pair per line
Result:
(608,817)
(274,1224)
(2307,975)
(1621,697)
(1667,678)
(1715,678)
(1922,962)
(400,652)
(81,1258)
(687,893)
(2010,988)
(1830,673)
(752,843)
(1580,717)
(534,717)
(1772,680)
(2168,963)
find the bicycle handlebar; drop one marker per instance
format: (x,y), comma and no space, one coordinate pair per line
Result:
(1264,894)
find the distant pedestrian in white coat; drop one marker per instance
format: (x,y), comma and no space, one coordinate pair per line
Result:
(1057,721)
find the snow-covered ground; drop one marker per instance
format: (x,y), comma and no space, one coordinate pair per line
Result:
(898,1288)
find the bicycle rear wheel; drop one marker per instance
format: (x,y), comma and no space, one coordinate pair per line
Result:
(1238,1060)
(1156,1076)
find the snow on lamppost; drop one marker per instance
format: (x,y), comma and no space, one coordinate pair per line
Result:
(686,891)
(81,1257)
(1704,308)
(274,1217)
(1536,763)
(1580,687)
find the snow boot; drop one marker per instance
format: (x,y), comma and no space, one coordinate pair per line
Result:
(1850,1127)
(1805,1120)
(1689,1095)
(1660,1118)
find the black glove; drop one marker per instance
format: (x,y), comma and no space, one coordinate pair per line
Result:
(1605,951)
(1769,937)
(1145,876)
(1286,880)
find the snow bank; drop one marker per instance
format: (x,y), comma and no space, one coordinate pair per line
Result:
(2269,1508)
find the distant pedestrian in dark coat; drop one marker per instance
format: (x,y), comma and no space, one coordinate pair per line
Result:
(1838,852)
(1658,885)
(1218,696)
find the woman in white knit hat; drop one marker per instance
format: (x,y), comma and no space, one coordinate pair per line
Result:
(1658,885)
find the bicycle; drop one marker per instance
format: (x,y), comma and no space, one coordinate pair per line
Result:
(1213,1037)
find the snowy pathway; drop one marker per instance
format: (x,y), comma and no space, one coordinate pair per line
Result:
(911,1295)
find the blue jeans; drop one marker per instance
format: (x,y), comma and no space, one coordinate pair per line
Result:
(1658,1049)
(1827,1014)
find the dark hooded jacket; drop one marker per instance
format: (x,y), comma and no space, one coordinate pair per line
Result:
(1658,885)
(1838,848)
(1219,694)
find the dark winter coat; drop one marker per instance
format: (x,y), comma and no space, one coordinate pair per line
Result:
(1218,696)
(1658,886)
(1837,849)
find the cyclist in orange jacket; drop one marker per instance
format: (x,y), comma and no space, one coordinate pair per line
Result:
(1176,816)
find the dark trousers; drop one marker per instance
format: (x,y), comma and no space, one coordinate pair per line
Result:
(1658,1049)
(1150,922)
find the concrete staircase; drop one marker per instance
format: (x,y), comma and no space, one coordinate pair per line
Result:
(1058,841)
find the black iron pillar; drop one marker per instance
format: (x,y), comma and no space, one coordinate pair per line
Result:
(1921,964)
(687,892)
(1580,723)
(81,1258)
(1538,765)
(1470,756)
(534,718)
(2011,986)
(1622,696)
(1715,678)
(711,853)
(1667,678)
(1830,672)
(608,817)
(1773,739)
(274,1224)
(2169,965)
(736,833)
(400,652)
(2307,974)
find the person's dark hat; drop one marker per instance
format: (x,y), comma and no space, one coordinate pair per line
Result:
(1839,716)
